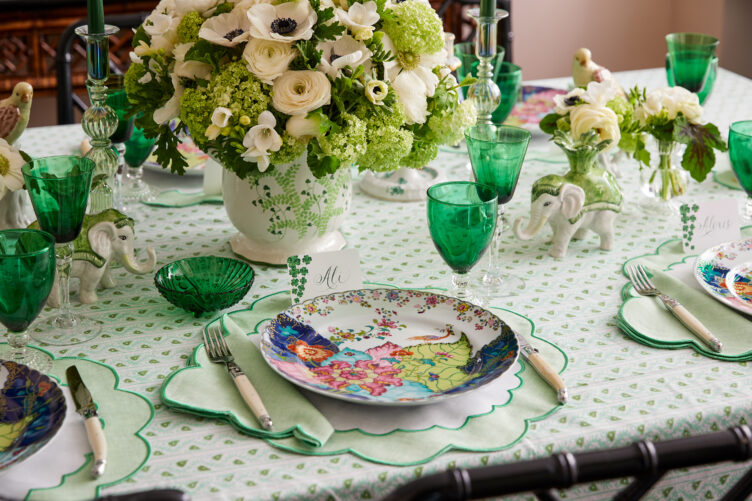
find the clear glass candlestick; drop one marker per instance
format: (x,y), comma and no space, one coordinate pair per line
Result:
(100,121)
(485,92)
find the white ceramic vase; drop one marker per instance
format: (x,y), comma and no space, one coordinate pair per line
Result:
(286,211)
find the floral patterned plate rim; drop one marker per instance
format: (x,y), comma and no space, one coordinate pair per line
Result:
(725,272)
(388,346)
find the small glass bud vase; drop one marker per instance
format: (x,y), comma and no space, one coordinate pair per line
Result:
(99,121)
(664,181)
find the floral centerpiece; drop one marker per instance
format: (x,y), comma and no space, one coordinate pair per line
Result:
(12,197)
(672,116)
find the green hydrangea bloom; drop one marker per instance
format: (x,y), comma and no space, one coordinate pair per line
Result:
(422,153)
(195,112)
(387,146)
(622,108)
(380,116)
(349,143)
(449,127)
(291,149)
(148,96)
(415,27)
(189,27)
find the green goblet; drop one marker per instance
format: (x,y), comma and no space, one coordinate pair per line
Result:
(740,152)
(496,154)
(461,219)
(691,56)
(27,272)
(117,99)
(509,81)
(465,51)
(59,189)
(133,188)
(706,89)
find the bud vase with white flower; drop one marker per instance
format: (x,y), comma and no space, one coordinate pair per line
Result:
(672,116)
(287,96)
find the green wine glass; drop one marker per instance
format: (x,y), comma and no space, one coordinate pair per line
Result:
(27,272)
(59,189)
(509,81)
(691,56)
(461,220)
(709,83)
(465,51)
(117,99)
(740,152)
(496,153)
(133,188)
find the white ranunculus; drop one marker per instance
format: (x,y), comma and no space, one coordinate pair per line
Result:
(359,19)
(261,139)
(189,69)
(171,109)
(286,22)
(599,118)
(674,100)
(300,126)
(268,59)
(563,103)
(157,24)
(166,41)
(376,91)
(413,81)
(11,161)
(227,29)
(600,93)
(300,92)
(168,7)
(344,52)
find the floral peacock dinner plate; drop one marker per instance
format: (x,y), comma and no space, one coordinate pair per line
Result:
(388,346)
(725,271)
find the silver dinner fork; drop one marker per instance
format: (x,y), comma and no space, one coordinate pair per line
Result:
(218,351)
(645,287)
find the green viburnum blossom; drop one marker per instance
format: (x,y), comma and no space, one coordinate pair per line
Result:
(292,148)
(422,153)
(195,112)
(622,108)
(347,144)
(414,27)
(387,146)
(449,127)
(189,27)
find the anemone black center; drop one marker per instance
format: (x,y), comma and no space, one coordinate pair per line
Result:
(234,33)
(284,25)
(571,101)
(333,57)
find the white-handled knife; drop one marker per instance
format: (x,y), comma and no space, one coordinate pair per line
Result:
(541,366)
(85,406)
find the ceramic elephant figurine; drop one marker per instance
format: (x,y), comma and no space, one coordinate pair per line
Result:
(573,204)
(104,237)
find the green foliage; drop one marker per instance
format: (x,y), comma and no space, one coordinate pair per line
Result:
(701,140)
(189,27)
(548,123)
(320,163)
(223,8)
(309,57)
(145,97)
(140,36)
(166,149)
(212,54)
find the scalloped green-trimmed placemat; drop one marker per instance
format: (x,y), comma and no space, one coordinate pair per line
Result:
(532,400)
(646,321)
(177,198)
(125,415)
(727,178)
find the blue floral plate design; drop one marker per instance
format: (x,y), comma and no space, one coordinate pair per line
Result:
(32,408)
(388,346)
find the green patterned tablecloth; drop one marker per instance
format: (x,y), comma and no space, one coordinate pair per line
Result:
(620,391)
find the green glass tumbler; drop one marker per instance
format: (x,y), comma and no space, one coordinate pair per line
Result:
(709,83)
(27,273)
(465,51)
(461,220)
(691,55)
(740,152)
(133,188)
(59,190)
(509,81)
(496,153)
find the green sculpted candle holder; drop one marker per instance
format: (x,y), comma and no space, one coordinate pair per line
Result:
(99,121)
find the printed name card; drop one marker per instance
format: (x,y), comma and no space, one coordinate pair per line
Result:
(314,275)
(709,223)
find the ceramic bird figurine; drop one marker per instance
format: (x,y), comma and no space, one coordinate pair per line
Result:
(585,70)
(14,112)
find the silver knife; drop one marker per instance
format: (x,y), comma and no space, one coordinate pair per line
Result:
(85,406)
(541,366)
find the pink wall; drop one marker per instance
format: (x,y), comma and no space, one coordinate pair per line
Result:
(622,34)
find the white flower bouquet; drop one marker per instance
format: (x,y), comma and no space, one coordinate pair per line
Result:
(263,82)
(11,161)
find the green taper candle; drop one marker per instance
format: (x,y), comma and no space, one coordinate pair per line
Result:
(95,12)
(487,8)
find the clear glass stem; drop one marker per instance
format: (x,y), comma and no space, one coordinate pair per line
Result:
(748,209)
(493,273)
(460,286)
(63,261)
(485,92)
(119,175)
(18,342)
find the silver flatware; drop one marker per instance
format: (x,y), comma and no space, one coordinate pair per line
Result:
(86,407)
(644,286)
(219,352)
(549,375)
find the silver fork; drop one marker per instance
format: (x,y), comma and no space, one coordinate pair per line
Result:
(645,287)
(216,348)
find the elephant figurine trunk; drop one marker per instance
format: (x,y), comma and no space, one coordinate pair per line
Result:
(140,268)
(532,229)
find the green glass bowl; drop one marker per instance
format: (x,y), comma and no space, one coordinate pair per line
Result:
(204,284)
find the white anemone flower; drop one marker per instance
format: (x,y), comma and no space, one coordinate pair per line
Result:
(286,22)
(359,19)
(563,103)
(158,24)
(189,69)
(344,52)
(413,79)
(261,139)
(227,29)
(11,161)
(600,93)
(171,109)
